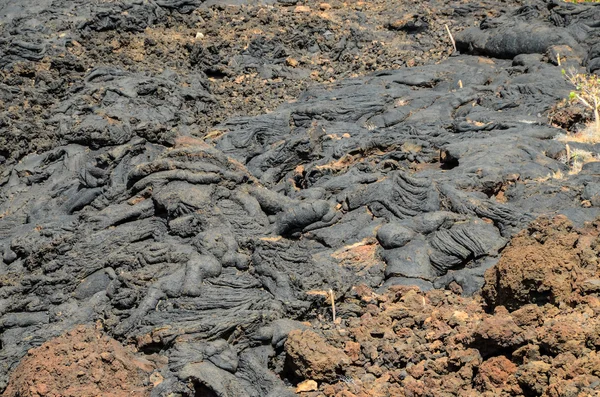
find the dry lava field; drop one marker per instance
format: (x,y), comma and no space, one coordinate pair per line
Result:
(275,198)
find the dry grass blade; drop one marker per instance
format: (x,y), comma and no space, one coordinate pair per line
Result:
(332,303)
(451,37)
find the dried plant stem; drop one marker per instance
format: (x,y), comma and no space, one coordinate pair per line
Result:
(594,108)
(587,92)
(332,303)
(451,38)
(596,114)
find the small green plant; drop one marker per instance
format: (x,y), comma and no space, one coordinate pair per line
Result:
(587,92)
(578,159)
(575,159)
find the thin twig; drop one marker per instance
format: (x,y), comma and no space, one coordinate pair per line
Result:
(332,303)
(451,38)
(586,103)
(587,93)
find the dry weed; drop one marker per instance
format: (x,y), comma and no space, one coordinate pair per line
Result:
(587,92)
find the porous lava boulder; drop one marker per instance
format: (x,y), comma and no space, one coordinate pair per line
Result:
(310,357)
(81,362)
(495,373)
(549,262)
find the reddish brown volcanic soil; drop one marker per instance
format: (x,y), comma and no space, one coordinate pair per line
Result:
(82,362)
(409,343)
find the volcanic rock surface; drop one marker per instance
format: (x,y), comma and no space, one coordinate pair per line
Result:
(199,178)
(410,343)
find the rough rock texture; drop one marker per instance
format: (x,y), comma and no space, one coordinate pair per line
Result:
(554,263)
(82,362)
(197,176)
(310,357)
(227,57)
(410,343)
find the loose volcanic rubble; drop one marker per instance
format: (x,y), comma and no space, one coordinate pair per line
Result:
(232,59)
(198,179)
(83,362)
(534,333)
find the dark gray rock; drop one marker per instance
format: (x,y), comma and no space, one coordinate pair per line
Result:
(210,251)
